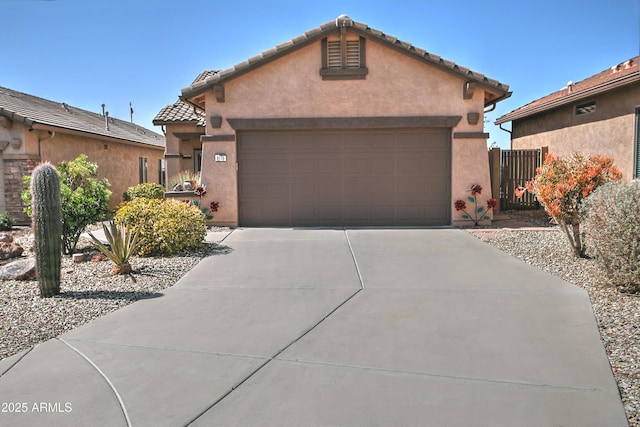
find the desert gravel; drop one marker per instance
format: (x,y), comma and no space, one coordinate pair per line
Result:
(88,290)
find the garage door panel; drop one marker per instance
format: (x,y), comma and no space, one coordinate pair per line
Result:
(301,165)
(383,214)
(364,177)
(302,187)
(411,188)
(328,189)
(329,215)
(328,164)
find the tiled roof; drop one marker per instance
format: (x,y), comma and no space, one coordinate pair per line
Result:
(206,82)
(619,75)
(180,112)
(32,111)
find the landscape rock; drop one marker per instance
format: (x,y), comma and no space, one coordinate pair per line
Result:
(10,250)
(24,269)
(6,238)
(78,258)
(99,258)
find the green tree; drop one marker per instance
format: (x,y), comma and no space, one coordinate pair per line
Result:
(84,199)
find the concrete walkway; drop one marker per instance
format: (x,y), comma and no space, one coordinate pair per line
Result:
(322,327)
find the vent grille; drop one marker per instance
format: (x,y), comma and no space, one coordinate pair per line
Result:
(352,56)
(334,55)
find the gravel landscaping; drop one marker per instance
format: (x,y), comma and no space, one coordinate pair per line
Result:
(617,313)
(89,290)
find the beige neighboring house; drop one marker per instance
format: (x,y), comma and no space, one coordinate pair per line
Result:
(34,130)
(598,115)
(342,125)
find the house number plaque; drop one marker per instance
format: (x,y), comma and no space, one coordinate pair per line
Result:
(220,157)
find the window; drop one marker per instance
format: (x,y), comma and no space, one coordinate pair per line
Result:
(637,144)
(142,169)
(585,108)
(343,59)
(197,160)
(162,170)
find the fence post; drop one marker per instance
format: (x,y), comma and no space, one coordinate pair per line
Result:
(494,174)
(543,154)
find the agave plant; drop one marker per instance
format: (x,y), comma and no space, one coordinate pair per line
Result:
(122,244)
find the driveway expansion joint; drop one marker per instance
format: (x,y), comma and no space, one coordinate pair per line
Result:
(17,361)
(274,357)
(459,378)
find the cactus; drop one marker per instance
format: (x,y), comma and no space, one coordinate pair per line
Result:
(47,227)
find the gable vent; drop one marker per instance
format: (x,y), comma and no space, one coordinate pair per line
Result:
(334,55)
(353,54)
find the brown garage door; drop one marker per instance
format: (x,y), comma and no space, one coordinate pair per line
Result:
(360,178)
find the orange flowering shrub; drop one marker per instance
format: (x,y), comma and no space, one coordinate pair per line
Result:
(560,185)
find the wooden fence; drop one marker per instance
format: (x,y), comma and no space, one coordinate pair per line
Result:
(510,169)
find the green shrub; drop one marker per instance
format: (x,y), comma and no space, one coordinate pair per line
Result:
(147,190)
(165,226)
(6,221)
(84,199)
(612,221)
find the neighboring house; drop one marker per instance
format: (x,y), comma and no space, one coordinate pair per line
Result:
(34,130)
(598,115)
(343,125)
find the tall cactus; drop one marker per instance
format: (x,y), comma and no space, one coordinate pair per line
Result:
(47,227)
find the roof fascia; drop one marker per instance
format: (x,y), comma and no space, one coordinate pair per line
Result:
(15,116)
(45,127)
(568,99)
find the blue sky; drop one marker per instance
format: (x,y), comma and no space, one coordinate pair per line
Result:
(86,53)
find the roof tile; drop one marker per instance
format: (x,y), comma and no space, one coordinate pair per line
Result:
(610,75)
(31,110)
(180,112)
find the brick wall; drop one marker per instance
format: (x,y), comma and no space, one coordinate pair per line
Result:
(14,170)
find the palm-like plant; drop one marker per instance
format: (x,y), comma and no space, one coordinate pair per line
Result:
(122,244)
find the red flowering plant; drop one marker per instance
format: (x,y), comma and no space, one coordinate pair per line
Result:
(561,185)
(200,191)
(479,213)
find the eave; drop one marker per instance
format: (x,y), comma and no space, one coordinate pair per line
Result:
(570,98)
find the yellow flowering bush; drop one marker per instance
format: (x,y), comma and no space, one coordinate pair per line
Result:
(165,226)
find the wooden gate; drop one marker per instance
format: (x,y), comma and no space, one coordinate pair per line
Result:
(516,167)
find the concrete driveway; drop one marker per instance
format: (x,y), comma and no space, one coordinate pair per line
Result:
(327,327)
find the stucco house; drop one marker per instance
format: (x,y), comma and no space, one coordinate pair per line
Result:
(33,130)
(598,115)
(342,125)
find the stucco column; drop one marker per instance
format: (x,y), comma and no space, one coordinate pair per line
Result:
(220,174)
(470,165)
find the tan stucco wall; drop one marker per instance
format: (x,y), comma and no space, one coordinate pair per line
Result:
(609,131)
(118,162)
(396,85)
